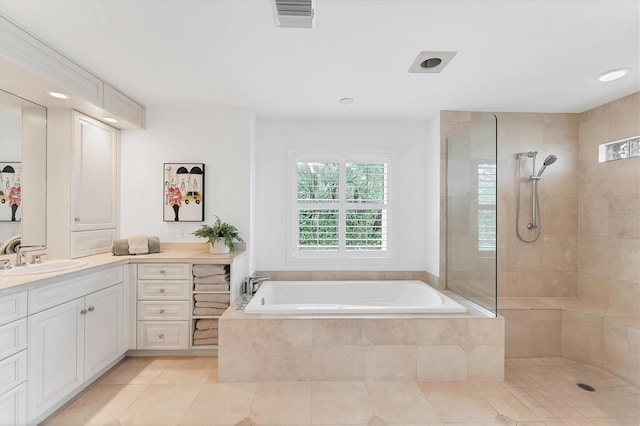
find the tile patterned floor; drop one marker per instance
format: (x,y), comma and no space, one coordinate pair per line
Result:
(185,391)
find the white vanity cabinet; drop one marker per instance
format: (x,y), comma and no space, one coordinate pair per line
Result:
(83,182)
(13,359)
(74,340)
(163,305)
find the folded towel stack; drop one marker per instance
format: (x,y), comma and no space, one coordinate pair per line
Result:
(206,332)
(211,298)
(211,277)
(121,247)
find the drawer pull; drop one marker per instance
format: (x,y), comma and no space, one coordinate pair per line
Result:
(91,308)
(162,271)
(162,311)
(161,336)
(83,312)
(162,290)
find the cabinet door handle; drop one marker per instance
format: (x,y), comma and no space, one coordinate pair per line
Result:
(77,219)
(162,290)
(162,311)
(91,308)
(83,312)
(161,336)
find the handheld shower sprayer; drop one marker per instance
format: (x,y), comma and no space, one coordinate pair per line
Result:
(547,162)
(536,217)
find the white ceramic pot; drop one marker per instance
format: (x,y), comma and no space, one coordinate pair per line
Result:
(219,247)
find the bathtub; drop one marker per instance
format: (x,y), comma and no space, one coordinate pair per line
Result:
(350,297)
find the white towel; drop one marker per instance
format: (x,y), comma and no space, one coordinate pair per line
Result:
(138,244)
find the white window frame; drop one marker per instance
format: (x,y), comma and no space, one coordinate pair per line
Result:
(340,256)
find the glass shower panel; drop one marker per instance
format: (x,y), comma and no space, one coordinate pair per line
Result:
(472,212)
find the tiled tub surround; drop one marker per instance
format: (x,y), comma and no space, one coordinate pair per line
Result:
(455,347)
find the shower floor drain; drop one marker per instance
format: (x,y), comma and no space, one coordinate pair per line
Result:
(586,387)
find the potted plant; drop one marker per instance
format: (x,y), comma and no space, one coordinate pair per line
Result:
(221,236)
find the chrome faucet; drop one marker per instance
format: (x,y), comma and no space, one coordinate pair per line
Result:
(20,253)
(252,283)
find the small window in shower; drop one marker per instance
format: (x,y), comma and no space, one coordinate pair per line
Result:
(486,207)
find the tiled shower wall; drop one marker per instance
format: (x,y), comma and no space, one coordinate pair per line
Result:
(609,224)
(549,266)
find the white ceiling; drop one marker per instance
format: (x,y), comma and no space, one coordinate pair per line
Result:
(535,56)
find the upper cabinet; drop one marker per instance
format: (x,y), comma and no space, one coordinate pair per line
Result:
(30,68)
(82,184)
(94,178)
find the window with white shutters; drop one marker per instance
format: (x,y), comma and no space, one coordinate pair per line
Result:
(341,206)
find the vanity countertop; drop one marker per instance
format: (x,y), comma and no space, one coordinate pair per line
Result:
(194,255)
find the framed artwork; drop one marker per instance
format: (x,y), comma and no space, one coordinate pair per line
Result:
(10,192)
(183,192)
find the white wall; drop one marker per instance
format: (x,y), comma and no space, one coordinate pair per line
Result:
(218,137)
(432,196)
(274,138)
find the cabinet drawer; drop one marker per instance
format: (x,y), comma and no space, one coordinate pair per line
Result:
(164,271)
(13,307)
(13,338)
(13,406)
(154,311)
(51,295)
(162,290)
(163,334)
(13,371)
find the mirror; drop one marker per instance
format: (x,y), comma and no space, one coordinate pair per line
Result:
(23,173)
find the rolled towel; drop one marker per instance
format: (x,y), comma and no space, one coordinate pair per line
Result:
(206,324)
(211,305)
(220,298)
(212,279)
(207,312)
(205,334)
(212,287)
(138,244)
(154,245)
(207,270)
(209,341)
(120,247)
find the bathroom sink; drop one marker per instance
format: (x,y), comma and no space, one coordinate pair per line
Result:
(43,268)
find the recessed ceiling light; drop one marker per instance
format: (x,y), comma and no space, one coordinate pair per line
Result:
(613,74)
(346,101)
(431,63)
(58,95)
(110,120)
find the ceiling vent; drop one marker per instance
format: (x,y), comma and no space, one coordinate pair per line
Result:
(295,13)
(431,62)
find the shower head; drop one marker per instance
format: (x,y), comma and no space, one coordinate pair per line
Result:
(547,162)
